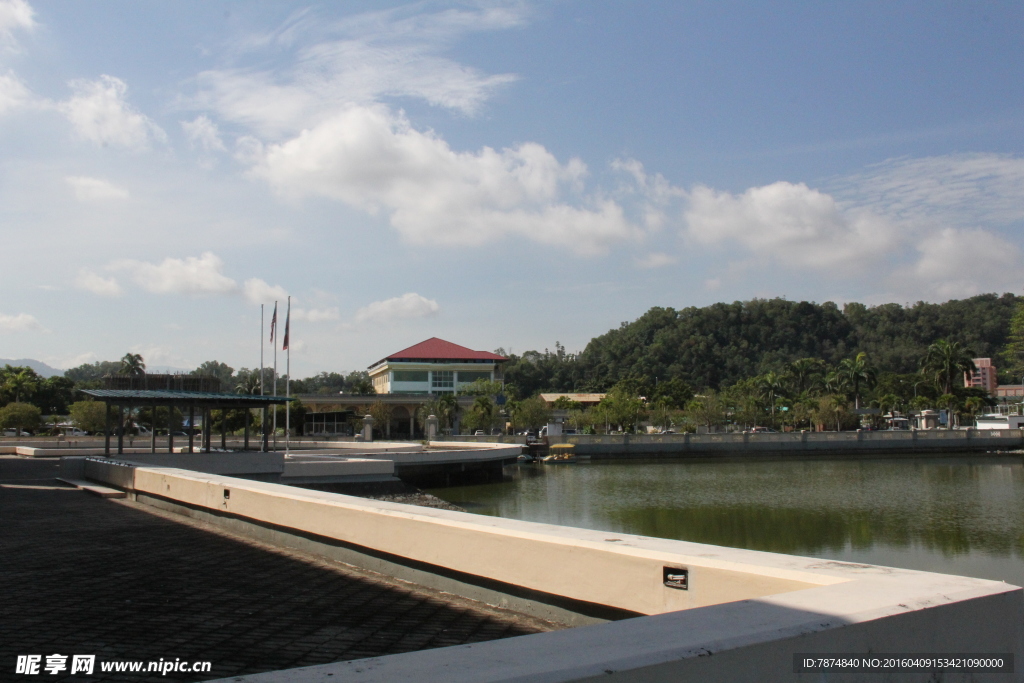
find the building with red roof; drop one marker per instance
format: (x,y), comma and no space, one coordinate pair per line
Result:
(434,366)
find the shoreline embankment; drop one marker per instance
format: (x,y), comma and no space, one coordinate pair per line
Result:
(867,444)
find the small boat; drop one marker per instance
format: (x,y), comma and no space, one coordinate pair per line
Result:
(560,454)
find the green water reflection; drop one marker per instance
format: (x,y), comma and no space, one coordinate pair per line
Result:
(963,516)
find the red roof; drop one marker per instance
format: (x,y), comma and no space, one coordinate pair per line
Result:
(439,349)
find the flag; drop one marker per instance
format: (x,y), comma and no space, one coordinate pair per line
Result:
(287,324)
(273,322)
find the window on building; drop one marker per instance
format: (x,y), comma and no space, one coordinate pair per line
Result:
(442,379)
(410,375)
(467,377)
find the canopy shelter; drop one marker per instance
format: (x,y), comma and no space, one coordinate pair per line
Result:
(188,402)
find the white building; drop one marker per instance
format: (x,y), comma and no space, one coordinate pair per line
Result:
(434,366)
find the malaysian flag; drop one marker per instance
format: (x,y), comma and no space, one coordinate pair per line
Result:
(273,323)
(287,324)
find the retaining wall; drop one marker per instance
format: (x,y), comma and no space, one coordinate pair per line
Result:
(832,443)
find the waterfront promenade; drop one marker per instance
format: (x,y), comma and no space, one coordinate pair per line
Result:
(125,581)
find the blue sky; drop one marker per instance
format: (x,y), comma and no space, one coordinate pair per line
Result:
(502,174)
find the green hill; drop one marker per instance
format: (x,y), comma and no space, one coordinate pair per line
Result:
(718,345)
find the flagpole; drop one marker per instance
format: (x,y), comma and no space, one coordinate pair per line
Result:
(263,417)
(288,377)
(261,349)
(273,329)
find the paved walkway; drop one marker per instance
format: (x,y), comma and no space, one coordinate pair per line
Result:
(123,581)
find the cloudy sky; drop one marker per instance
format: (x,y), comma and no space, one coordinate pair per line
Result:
(498,174)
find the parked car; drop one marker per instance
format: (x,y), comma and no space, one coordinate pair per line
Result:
(14,432)
(479,432)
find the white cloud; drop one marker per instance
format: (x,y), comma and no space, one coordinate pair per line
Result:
(371,159)
(655,259)
(14,15)
(162,356)
(359,60)
(95,189)
(790,223)
(409,305)
(259,292)
(315,315)
(71,361)
(13,93)
(655,193)
(100,114)
(958,263)
(23,322)
(192,275)
(203,134)
(97,284)
(964,190)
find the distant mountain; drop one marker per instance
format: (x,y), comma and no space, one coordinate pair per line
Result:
(41,368)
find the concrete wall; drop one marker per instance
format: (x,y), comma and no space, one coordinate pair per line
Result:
(751,641)
(835,443)
(501,438)
(249,462)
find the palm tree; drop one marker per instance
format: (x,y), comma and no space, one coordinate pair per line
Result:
(250,384)
(802,372)
(889,403)
(484,409)
(835,382)
(132,365)
(23,383)
(945,360)
(773,385)
(974,405)
(448,408)
(857,372)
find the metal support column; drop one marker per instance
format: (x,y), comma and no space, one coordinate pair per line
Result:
(120,429)
(248,418)
(170,429)
(191,428)
(152,430)
(206,429)
(106,429)
(223,429)
(264,427)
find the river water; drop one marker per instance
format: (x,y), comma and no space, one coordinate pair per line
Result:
(951,515)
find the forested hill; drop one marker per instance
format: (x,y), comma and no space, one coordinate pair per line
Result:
(721,344)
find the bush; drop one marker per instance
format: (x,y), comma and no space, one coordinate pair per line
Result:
(20,416)
(88,415)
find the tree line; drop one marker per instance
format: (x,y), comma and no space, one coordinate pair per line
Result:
(26,398)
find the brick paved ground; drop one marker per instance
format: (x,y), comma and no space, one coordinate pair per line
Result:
(83,575)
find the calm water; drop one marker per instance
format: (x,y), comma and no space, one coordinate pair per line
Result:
(957,516)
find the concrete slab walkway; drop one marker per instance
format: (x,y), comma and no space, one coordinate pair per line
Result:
(85,575)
